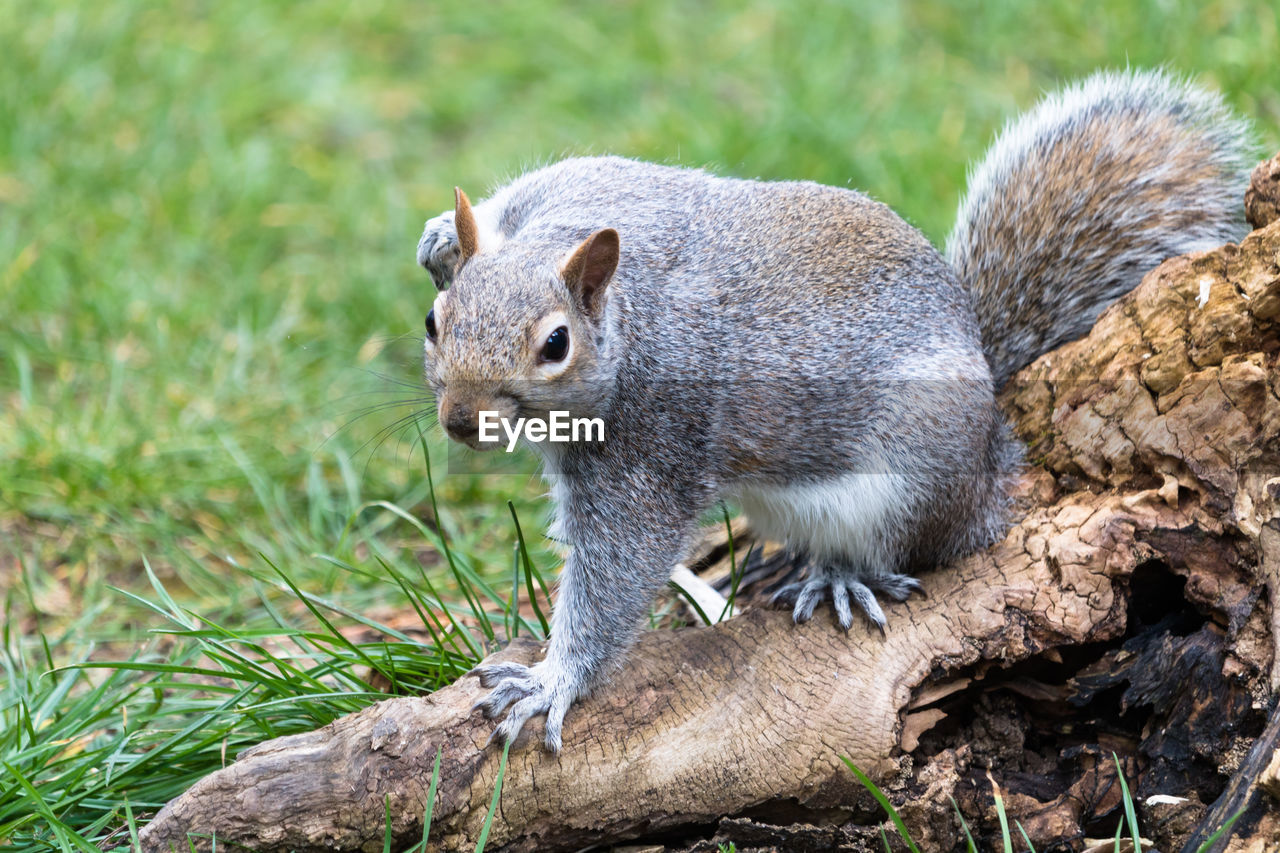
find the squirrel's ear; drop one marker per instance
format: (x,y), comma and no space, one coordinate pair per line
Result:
(588,270)
(465,222)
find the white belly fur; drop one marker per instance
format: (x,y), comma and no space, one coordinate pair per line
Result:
(841,521)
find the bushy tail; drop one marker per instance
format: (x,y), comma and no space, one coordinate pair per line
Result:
(1081,196)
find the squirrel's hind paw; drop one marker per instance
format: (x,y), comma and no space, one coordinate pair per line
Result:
(846,591)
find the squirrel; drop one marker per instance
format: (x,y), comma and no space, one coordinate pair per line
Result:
(799,348)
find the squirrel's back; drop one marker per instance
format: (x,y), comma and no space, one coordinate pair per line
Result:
(1082,195)
(818,269)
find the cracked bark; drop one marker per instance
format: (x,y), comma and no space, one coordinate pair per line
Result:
(1155,442)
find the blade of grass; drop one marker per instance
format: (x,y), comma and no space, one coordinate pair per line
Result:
(1130,814)
(315,611)
(431,797)
(964,824)
(177,614)
(1213,839)
(386,821)
(493,803)
(884,803)
(38,802)
(355,614)
(735,575)
(469,583)
(1004,819)
(466,588)
(529,573)
(472,646)
(132,825)
(428,622)
(691,601)
(1031,847)
(510,619)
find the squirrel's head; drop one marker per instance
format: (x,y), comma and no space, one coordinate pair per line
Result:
(522,331)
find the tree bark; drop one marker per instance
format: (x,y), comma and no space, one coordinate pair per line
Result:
(1155,451)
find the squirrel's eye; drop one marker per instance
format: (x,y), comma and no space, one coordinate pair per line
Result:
(557,345)
(431,324)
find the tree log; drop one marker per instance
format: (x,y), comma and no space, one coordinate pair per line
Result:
(1155,451)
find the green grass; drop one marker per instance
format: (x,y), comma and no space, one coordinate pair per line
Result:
(88,742)
(211,314)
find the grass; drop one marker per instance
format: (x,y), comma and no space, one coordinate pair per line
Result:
(89,742)
(209,472)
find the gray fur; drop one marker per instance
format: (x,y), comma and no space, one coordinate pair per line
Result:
(797,345)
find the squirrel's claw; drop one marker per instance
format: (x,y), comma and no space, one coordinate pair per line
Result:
(491,673)
(810,595)
(840,600)
(504,695)
(866,599)
(519,714)
(897,587)
(510,682)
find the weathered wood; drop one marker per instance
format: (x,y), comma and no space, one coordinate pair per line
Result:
(1155,440)
(1242,799)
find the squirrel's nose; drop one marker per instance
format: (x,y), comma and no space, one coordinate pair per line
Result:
(460,423)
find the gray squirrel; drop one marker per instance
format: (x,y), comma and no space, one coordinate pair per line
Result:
(799,348)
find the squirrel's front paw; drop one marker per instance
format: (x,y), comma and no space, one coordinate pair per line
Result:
(438,249)
(534,690)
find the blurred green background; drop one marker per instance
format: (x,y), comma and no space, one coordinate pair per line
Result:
(208,211)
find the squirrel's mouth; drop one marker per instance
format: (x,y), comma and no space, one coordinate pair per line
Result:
(475,442)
